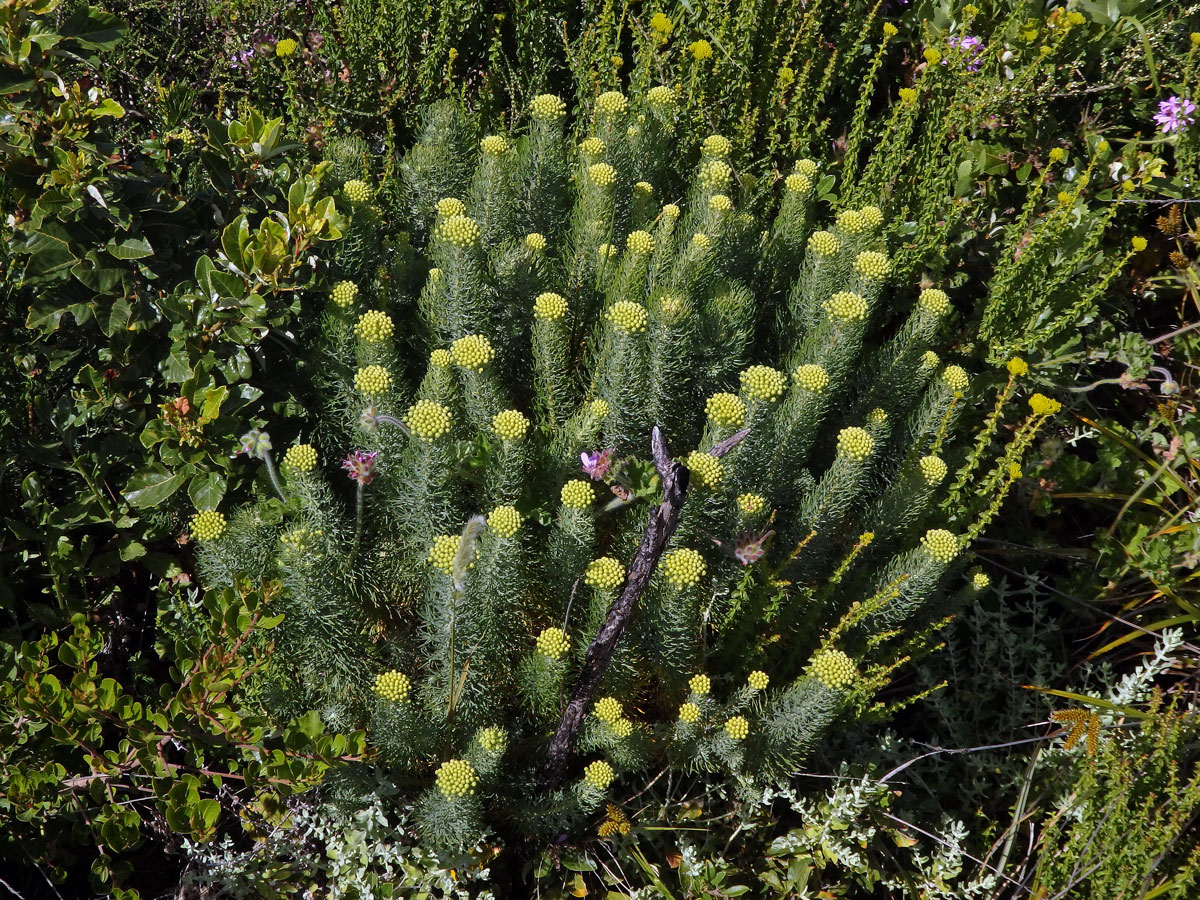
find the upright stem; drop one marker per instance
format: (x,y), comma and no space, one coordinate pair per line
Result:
(358,520)
(274,476)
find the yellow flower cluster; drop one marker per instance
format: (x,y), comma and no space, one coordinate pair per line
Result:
(444,549)
(725,409)
(602,174)
(645,188)
(472,352)
(606,251)
(577,494)
(372,380)
(929,360)
(716,145)
(441,358)
(762,383)
(640,242)
(737,728)
(356,191)
(811,377)
(933,469)
(628,316)
(504,520)
(872,264)
(980,580)
(941,545)
(684,567)
(598,774)
(907,95)
(1043,405)
(300,540)
(824,243)
(461,231)
(700,685)
(670,211)
(456,778)
(301,457)
(1057,155)
(660,23)
(706,468)
(661,97)
(834,669)
(493,740)
(689,712)
(428,420)
(877,416)
(612,103)
(285,48)
(622,728)
(932,57)
(720,203)
(374,326)
(751,503)
(604,573)
(547,107)
(344,293)
(1017,367)
(393,686)
(599,408)
(1138,243)
(553,642)
(758,680)
(851,221)
(451,206)
(535,242)
(872,215)
(207,525)
(847,306)
(700,49)
(956,378)
(797,184)
(715,174)
(592,146)
(855,443)
(934,301)
(494,145)
(806,167)
(510,424)
(608,709)
(549,306)
(701,241)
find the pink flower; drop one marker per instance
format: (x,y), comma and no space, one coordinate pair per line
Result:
(750,547)
(596,465)
(1175,114)
(360,466)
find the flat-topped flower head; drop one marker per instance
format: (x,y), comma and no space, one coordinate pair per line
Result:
(592,146)
(1058,154)
(301,457)
(356,192)
(644,189)
(599,408)
(737,728)
(451,206)
(374,326)
(510,425)
(441,359)
(207,525)
(684,567)
(1138,243)
(720,203)
(929,360)
(941,545)
(505,521)
(980,580)
(700,50)
(956,378)
(797,183)
(847,306)
(661,97)
(456,778)
(435,275)
(934,301)
(611,103)
(824,243)
(660,23)
(834,669)
(622,728)
(716,146)
(689,713)
(932,57)
(872,215)
(1043,405)
(627,316)
(602,174)
(640,242)
(751,504)
(806,167)
(762,383)
(725,410)
(758,680)
(547,108)
(670,211)
(344,293)
(428,420)
(608,709)
(872,265)
(494,145)
(549,306)
(577,494)
(715,174)
(461,231)
(444,550)
(907,95)
(553,643)
(700,685)
(393,686)
(933,469)
(300,541)
(705,468)
(472,352)
(855,443)
(285,48)
(604,573)
(606,252)
(535,242)
(878,416)
(373,380)
(851,221)
(360,466)
(1017,367)
(598,774)
(701,241)
(811,377)
(493,740)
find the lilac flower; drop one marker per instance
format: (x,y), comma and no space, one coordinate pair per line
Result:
(970,45)
(1175,114)
(241,59)
(360,466)
(750,547)
(596,465)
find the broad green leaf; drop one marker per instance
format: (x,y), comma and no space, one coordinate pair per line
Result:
(206,490)
(151,487)
(131,248)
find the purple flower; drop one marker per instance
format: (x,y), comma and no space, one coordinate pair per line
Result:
(596,465)
(360,466)
(1175,114)
(750,547)
(970,45)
